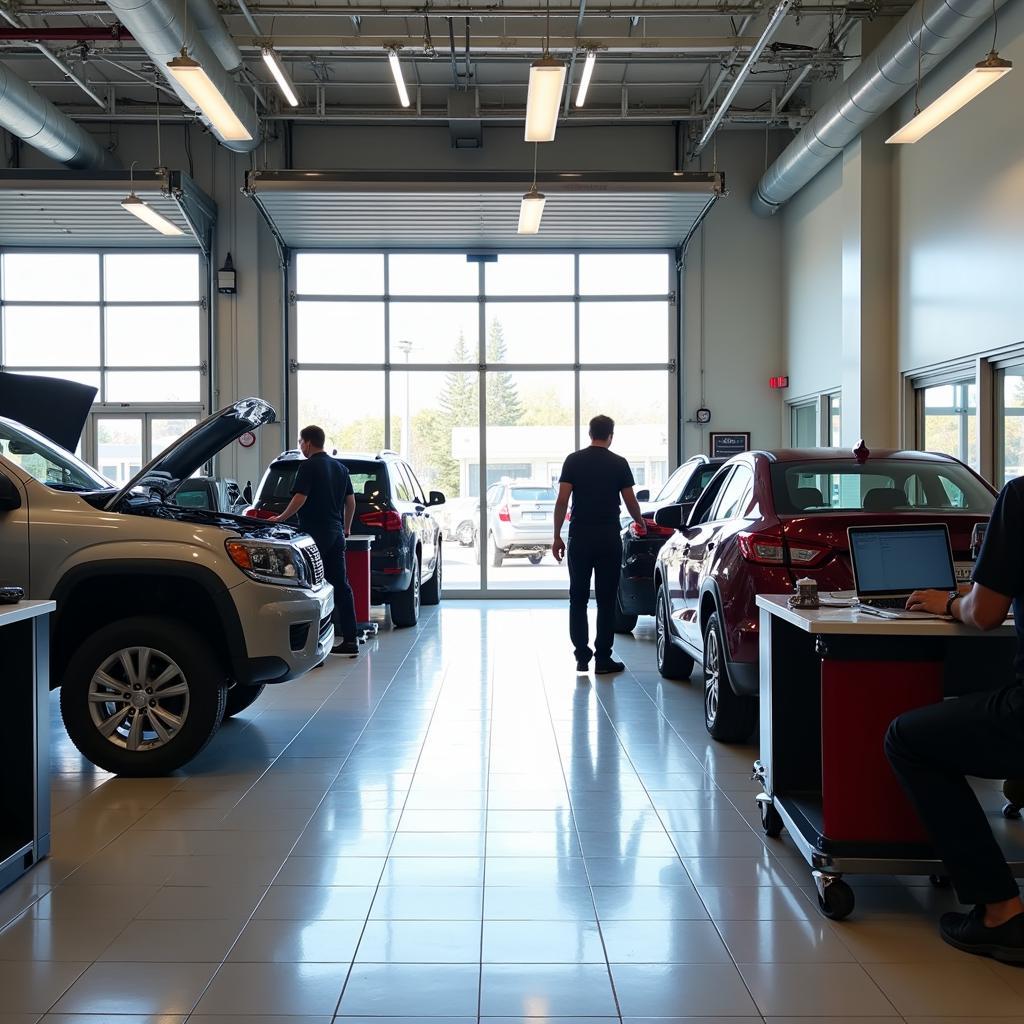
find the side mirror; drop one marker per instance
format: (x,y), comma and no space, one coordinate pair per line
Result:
(644,495)
(674,516)
(435,498)
(10,496)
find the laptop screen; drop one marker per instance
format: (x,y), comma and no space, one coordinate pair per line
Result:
(892,560)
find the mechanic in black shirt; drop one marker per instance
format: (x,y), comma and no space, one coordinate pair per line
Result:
(932,749)
(595,478)
(322,495)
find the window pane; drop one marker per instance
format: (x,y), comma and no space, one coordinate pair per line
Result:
(835,428)
(624,274)
(348,404)
(119,447)
(340,332)
(526,332)
(166,431)
(804,426)
(153,336)
(1013,424)
(951,421)
(638,402)
(624,332)
(336,273)
(532,274)
(52,335)
(151,277)
(153,386)
(432,274)
(90,377)
(51,277)
(434,332)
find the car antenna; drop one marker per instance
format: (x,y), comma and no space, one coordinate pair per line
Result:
(861,452)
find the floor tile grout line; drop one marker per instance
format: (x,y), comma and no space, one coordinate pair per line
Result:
(491,691)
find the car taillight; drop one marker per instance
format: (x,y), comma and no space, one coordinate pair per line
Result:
(503,514)
(259,513)
(806,555)
(653,529)
(388,521)
(769,549)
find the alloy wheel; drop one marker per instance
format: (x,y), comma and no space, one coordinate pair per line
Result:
(712,676)
(659,629)
(138,698)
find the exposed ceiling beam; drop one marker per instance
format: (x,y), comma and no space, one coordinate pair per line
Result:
(509,44)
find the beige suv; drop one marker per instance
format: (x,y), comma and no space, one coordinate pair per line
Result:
(168,618)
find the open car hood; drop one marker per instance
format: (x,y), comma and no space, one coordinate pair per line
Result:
(197,447)
(56,408)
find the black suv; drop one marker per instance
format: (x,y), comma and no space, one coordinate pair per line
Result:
(405,559)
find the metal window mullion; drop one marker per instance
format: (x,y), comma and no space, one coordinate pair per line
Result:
(103,331)
(387,351)
(481,352)
(577,395)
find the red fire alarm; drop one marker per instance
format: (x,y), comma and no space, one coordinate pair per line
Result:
(777,383)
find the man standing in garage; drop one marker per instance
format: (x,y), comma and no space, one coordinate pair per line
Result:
(595,478)
(322,496)
(933,749)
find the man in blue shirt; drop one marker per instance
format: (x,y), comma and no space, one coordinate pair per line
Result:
(323,498)
(933,749)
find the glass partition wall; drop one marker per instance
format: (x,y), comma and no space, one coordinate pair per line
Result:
(484,372)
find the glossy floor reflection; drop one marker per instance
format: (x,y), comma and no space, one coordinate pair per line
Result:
(458,828)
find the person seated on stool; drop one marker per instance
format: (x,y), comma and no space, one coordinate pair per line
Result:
(933,749)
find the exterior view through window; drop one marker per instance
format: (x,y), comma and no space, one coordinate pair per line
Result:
(484,376)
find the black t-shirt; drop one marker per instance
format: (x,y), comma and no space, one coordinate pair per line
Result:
(326,484)
(1000,566)
(597,476)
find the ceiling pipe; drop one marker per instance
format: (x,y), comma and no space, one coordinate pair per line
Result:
(247,14)
(726,65)
(215,32)
(161,29)
(835,39)
(116,33)
(35,120)
(929,31)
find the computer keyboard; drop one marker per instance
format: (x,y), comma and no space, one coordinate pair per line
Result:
(886,602)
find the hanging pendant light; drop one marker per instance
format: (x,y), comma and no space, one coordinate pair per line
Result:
(140,208)
(544,95)
(531,207)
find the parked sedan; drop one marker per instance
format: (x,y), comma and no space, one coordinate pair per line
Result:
(768,518)
(636,594)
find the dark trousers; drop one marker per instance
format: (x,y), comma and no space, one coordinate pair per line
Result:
(598,555)
(932,749)
(332,551)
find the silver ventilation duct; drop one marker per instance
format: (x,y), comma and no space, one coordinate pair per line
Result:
(215,32)
(886,74)
(161,28)
(35,120)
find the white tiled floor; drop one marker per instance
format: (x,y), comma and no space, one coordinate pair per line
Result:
(457,827)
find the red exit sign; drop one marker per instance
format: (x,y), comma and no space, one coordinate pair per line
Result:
(777,383)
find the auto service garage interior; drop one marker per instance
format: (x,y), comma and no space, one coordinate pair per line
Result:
(780,238)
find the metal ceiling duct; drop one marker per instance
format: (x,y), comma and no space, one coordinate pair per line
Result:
(215,32)
(886,74)
(35,120)
(161,28)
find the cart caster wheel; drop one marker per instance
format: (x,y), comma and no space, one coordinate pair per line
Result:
(1011,810)
(836,901)
(939,881)
(771,820)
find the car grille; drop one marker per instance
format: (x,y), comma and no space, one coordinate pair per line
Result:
(325,625)
(314,563)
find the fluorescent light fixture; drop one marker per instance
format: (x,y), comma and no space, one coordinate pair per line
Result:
(975,82)
(531,209)
(588,70)
(135,206)
(547,79)
(396,70)
(284,83)
(192,77)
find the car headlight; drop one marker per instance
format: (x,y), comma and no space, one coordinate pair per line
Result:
(268,562)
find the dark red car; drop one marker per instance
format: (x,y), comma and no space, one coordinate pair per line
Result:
(769,518)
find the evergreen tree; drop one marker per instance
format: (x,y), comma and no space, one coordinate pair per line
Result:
(458,398)
(504,409)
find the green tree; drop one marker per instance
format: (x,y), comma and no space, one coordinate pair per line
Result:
(459,398)
(544,408)
(431,443)
(504,407)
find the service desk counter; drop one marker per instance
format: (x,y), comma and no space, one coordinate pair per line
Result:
(831,681)
(24,737)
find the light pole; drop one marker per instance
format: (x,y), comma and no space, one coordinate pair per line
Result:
(405,347)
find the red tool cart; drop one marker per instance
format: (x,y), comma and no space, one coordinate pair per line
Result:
(357,566)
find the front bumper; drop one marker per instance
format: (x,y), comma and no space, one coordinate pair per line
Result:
(287,631)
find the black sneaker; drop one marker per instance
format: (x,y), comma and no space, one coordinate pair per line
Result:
(969,933)
(582,664)
(349,647)
(604,668)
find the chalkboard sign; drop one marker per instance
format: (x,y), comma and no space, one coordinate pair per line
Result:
(724,445)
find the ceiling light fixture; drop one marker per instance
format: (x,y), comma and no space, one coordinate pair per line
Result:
(973,84)
(531,208)
(396,70)
(544,96)
(284,82)
(192,77)
(588,70)
(139,208)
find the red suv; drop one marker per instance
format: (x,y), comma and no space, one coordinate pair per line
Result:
(769,518)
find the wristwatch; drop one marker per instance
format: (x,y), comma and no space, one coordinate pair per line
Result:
(954,595)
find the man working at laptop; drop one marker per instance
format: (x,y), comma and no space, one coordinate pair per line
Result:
(932,749)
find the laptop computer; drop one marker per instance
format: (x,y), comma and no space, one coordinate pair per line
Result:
(891,562)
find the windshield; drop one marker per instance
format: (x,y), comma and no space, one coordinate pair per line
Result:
(533,494)
(281,479)
(46,462)
(880,485)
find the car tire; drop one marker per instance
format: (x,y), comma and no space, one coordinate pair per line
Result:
(405,606)
(536,559)
(495,556)
(673,663)
(728,717)
(430,592)
(624,623)
(101,667)
(242,697)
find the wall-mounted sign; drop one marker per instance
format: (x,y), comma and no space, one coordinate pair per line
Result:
(778,383)
(247,440)
(726,444)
